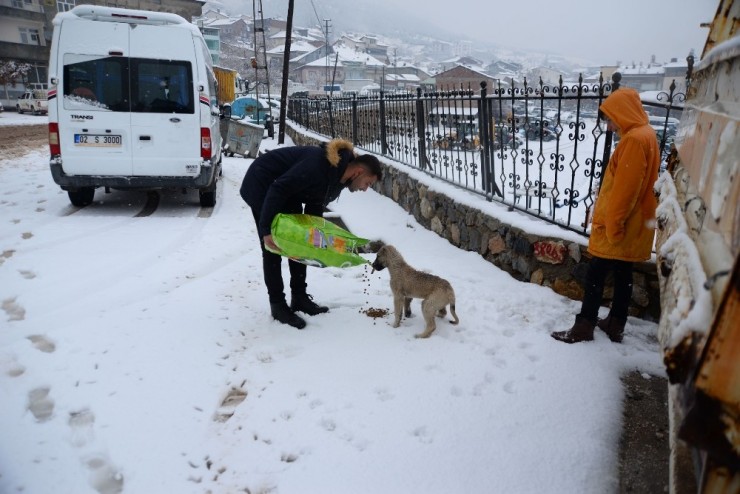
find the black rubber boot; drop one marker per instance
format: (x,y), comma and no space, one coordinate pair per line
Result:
(282,313)
(613,327)
(302,302)
(582,330)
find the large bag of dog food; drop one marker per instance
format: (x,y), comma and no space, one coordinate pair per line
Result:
(316,241)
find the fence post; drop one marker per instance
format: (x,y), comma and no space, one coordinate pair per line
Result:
(383,141)
(421,124)
(331,116)
(616,77)
(354,119)
(689,73)
(483,131)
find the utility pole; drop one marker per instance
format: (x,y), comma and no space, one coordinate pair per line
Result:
(286,70)
(326,49)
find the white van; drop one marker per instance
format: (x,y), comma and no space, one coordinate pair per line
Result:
(132,104)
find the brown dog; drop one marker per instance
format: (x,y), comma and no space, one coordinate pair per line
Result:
(407,283)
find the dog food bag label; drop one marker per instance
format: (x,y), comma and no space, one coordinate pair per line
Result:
(316,241)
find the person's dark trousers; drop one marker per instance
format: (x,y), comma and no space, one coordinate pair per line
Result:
(272,270)
(598,269)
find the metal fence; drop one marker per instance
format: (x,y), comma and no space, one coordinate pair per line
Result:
(538,149)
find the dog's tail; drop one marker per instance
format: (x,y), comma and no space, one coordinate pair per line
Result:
(454,314)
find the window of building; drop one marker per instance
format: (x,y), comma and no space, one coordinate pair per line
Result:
(29,36)
(65,5)
(21,4)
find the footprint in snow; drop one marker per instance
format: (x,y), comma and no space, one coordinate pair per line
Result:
(10,366)
(81,423)
(7,254)
(228,406)
(14,311)
(40,404)
(104,477)
(383,394)
(42,343)
(328,425)
(423,435)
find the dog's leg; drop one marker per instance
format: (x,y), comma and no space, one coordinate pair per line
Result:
(428,310)
(397,309)
(407,306)
(452,311)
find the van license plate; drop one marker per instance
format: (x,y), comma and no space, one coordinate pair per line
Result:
(98,140)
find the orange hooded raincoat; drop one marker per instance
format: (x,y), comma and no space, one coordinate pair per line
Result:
(623,224)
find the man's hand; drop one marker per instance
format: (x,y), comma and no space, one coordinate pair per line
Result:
(269,244)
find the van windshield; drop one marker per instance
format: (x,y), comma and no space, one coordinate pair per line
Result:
(121,84)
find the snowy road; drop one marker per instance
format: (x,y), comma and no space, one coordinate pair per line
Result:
(137,354)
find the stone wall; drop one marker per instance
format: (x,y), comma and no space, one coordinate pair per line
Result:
(550,261)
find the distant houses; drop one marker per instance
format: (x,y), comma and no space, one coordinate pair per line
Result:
(359,61)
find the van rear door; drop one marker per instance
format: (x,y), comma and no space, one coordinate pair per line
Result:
(94,133)
(165,119)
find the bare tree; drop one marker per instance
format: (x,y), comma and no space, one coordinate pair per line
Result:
(12,72)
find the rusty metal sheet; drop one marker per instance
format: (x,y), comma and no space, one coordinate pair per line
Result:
(724,26)
(719,370)
(708,143)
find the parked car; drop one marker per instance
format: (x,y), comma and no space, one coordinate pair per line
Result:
(34,101)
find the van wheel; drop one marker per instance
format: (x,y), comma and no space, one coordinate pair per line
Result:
(18,109)
(208,196)
(81,197)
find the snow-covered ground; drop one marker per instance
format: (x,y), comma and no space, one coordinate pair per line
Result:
(12,118)
(137,354)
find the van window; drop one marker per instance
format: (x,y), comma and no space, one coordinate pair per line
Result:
(122,84)
(95,83)
(213,88)
(162,86)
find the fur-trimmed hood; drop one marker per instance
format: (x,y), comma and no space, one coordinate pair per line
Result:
(338,149)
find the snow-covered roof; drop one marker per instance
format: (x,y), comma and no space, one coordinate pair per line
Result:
(637,70)
(294,37)
(402,77)
(222,22)
(349,55)
(296,47)
(304,55)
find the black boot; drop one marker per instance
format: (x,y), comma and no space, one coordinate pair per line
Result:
(613,327)
(282,313)
(582,330)
(304,303)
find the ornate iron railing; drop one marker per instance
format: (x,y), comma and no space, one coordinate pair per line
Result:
(537,148)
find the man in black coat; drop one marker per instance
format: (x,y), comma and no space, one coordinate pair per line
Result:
(294,180)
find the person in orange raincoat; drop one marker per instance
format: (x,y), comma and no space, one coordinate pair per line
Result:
(623,224)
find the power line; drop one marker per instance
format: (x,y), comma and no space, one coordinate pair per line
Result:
(318,19)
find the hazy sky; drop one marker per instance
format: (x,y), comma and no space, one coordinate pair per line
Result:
(603,32)
(597,31)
